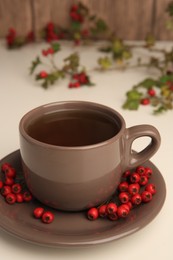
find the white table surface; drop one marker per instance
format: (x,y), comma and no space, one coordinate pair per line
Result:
(19,93)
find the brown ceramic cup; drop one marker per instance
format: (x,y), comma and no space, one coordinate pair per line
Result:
(74,153)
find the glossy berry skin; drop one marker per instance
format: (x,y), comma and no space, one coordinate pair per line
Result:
(47,217)
(122,211)
(16,188)
(19,197)
(1,184)
(10,198)
(5,190)
(134,177)
(143,180)
(148,172)
(133,188)
(123,186)
(151,92)
(10,172)
(38,212)
(136,199)
(9,181)
(27,196)
(93,213)
(5,166)
(145,101)
(43,74)
(124,197)
(146,196)
(111,208)
(102,211)
(151,188)
(140,169)
(113,216)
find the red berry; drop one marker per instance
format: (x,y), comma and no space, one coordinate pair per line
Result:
(140,169)
(5,190)
(19,197)
(5,166)
(76,84)
(122,211)
(1,184)
(113,216)
(148,172)
(126,174)
(145,101)
(123,186)
(10,198)
(151,92)
(143,180)
(111,208)
(10,172)
(47,217)
(74,8)
(50,50)
(38,212)
(44,52)
(83,79)
(129,204)
(102,211)
(43,74)
(135,177)
(151,188)
(146,196)
(16,188)
(124,197)
(27,196)
(136,199)
(9,181)
(71,85)
(133,188)
(93,213)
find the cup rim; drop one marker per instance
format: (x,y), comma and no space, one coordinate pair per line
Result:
(72,103)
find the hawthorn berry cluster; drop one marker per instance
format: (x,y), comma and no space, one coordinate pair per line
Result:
(10,189)
(133,190)
(15,41)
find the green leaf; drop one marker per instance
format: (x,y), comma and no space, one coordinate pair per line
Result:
(131,104)
(75,26)
(56,46)
(165,79)
(148,83)
(134,95)
(35,63)
(101,25)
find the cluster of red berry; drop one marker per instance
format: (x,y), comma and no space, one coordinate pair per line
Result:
(13,40)
(129,195)
(52,33)
(47,217)
(151,93)
(79,79)
(75,14)
(11,190)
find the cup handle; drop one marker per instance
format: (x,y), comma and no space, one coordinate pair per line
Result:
(132,158)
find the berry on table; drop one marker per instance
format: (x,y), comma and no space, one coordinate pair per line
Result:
(122,211)
(151,92)
(102,210)
(43,74)
(16,188)
(151,188)
(146,196)
(124,197)
(111,208)
(38,212)
(47,217)
(27,196)
(5,190)
(134,177)
(123,186)
(10,198)
(145,101)
(93,213)
(136,199)
(19,197)
(133,188)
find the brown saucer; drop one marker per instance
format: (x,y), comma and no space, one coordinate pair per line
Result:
(74,229)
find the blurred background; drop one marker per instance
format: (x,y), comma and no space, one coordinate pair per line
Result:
(142,17)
